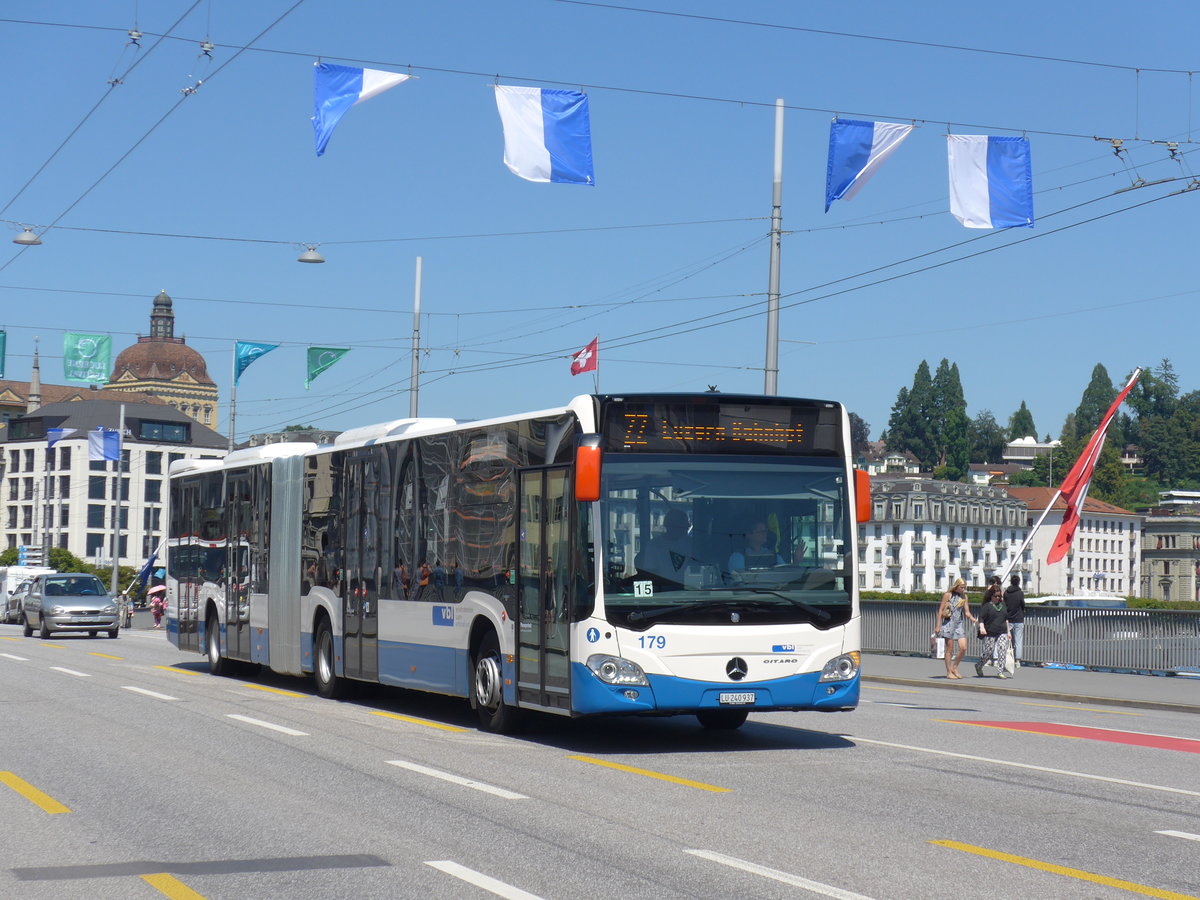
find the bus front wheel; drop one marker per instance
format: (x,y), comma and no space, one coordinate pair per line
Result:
(494,714)
(722,719)
(325,674)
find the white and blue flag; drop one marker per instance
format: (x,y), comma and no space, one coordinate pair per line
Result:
(991,181)
(104,443)
(856,151)
(547,134)
(337,88)
(54,435)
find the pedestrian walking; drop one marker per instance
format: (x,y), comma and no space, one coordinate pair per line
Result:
(457,571)
(993,629)
(157,606)
(1014,604)
(953,613)
(423,575)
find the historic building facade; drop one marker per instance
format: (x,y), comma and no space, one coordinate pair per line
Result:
(165,366)
(58,497)
(926,533)
(1171,548)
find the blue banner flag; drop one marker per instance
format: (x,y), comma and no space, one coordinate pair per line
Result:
(246,352)
(991,181)
(547,134)
(856,151)
(337,88)
(104,443)
(54,435)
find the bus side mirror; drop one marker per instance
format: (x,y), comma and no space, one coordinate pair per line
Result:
(862,496)
(587,468)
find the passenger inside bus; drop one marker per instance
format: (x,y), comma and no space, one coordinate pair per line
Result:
(668,554)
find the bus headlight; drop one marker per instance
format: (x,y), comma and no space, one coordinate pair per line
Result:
(842,668)
(616,670)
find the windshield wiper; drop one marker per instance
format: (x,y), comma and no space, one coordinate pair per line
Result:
(640,615)
(815,611)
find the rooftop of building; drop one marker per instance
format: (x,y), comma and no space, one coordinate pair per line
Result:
(1038,498)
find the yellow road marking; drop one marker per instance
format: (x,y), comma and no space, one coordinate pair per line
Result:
(8,638)
(411,720)
(1130,886)
(649,774)
(171,887)
(1111,712)
(1071,737)
(32,794)
(180,671)
(271,690)
(875,687)
(48,644)
(104,655)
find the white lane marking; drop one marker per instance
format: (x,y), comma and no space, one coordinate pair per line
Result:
(71,672)
(499,888)
(280,728)
(17,658)
(1016,765)
(155,694)
(825,890)
(1173,737)
(455,779)
(1180,834)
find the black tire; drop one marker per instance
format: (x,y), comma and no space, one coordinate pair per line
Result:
(217,664)
(45,630)
(722,719)
(325,676)
(113,632)
(28,627)
(487,689)
(91,634)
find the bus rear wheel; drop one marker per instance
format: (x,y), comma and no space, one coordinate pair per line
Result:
(212,644)
(488,687)
(722,719)
(329,685)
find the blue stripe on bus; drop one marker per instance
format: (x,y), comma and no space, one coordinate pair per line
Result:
(665,693)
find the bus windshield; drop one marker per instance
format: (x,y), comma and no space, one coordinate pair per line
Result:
(718,539)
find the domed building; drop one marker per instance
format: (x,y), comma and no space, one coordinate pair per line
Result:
(165,366)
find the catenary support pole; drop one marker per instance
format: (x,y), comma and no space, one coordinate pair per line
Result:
(414,380)
(771,381)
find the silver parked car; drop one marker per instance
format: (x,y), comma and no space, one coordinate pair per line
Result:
(16,601)
(69,602)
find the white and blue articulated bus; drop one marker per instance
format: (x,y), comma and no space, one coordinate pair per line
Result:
(636,554)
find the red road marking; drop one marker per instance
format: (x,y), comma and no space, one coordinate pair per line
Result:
(1158,741)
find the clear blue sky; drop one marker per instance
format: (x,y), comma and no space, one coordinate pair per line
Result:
(518,275)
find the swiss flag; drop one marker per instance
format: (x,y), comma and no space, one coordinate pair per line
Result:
(587,359)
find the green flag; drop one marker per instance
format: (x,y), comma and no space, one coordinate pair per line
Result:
(320,359)
(87,358)
(3,344)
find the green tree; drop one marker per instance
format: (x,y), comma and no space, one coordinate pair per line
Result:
(986,438)
(1069,432)
(860,435)
(1170,448)
(1156,393)
(1020,424)
(910,427)
(957,444)
(1097,398)
(945,396)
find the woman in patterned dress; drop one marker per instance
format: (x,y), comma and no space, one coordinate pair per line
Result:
(953,613)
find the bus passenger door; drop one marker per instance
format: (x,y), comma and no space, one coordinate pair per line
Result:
(360,601)
(237,584)
(543,577)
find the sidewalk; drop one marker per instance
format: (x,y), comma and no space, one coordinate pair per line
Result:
(1178,693)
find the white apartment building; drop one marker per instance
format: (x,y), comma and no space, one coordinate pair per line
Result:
(1104,559)
(924,534)
(57,497)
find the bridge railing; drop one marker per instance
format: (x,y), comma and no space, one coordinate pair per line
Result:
(1149,640)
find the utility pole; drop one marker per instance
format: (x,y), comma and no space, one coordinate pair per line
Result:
(414,380)
(771,381)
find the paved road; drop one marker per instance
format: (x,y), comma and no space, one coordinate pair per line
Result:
(167,779)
